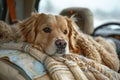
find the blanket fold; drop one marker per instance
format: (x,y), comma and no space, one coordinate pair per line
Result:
(70,66)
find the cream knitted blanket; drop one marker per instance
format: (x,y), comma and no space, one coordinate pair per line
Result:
(67,67)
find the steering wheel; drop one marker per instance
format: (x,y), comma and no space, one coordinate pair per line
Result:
(106,29)
(109,30)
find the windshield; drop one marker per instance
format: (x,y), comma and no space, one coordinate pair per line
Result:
(103,10)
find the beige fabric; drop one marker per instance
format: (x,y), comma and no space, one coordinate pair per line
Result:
(8,72)
(44,77)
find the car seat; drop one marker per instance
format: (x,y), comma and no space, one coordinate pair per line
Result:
(83,18)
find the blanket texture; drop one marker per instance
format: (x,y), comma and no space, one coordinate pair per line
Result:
(99,62)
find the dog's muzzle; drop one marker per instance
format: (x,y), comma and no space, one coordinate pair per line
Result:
(61,46)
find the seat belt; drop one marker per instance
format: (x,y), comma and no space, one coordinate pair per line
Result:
(12,12)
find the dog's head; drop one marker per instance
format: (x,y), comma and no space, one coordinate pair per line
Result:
(54,34)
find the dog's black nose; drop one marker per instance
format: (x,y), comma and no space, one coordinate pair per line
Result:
(60,43)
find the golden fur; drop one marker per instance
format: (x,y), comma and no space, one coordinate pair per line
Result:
(32,31)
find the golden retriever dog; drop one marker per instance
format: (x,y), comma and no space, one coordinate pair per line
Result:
(51,34)
(55,34)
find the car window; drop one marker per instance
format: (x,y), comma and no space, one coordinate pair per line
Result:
(103,10)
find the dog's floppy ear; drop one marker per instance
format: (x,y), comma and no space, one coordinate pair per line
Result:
(28,28)
(73,36)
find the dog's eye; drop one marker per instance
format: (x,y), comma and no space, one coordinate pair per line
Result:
(65,32)
(47,30)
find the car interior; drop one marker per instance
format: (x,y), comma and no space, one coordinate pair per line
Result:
(82,12)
